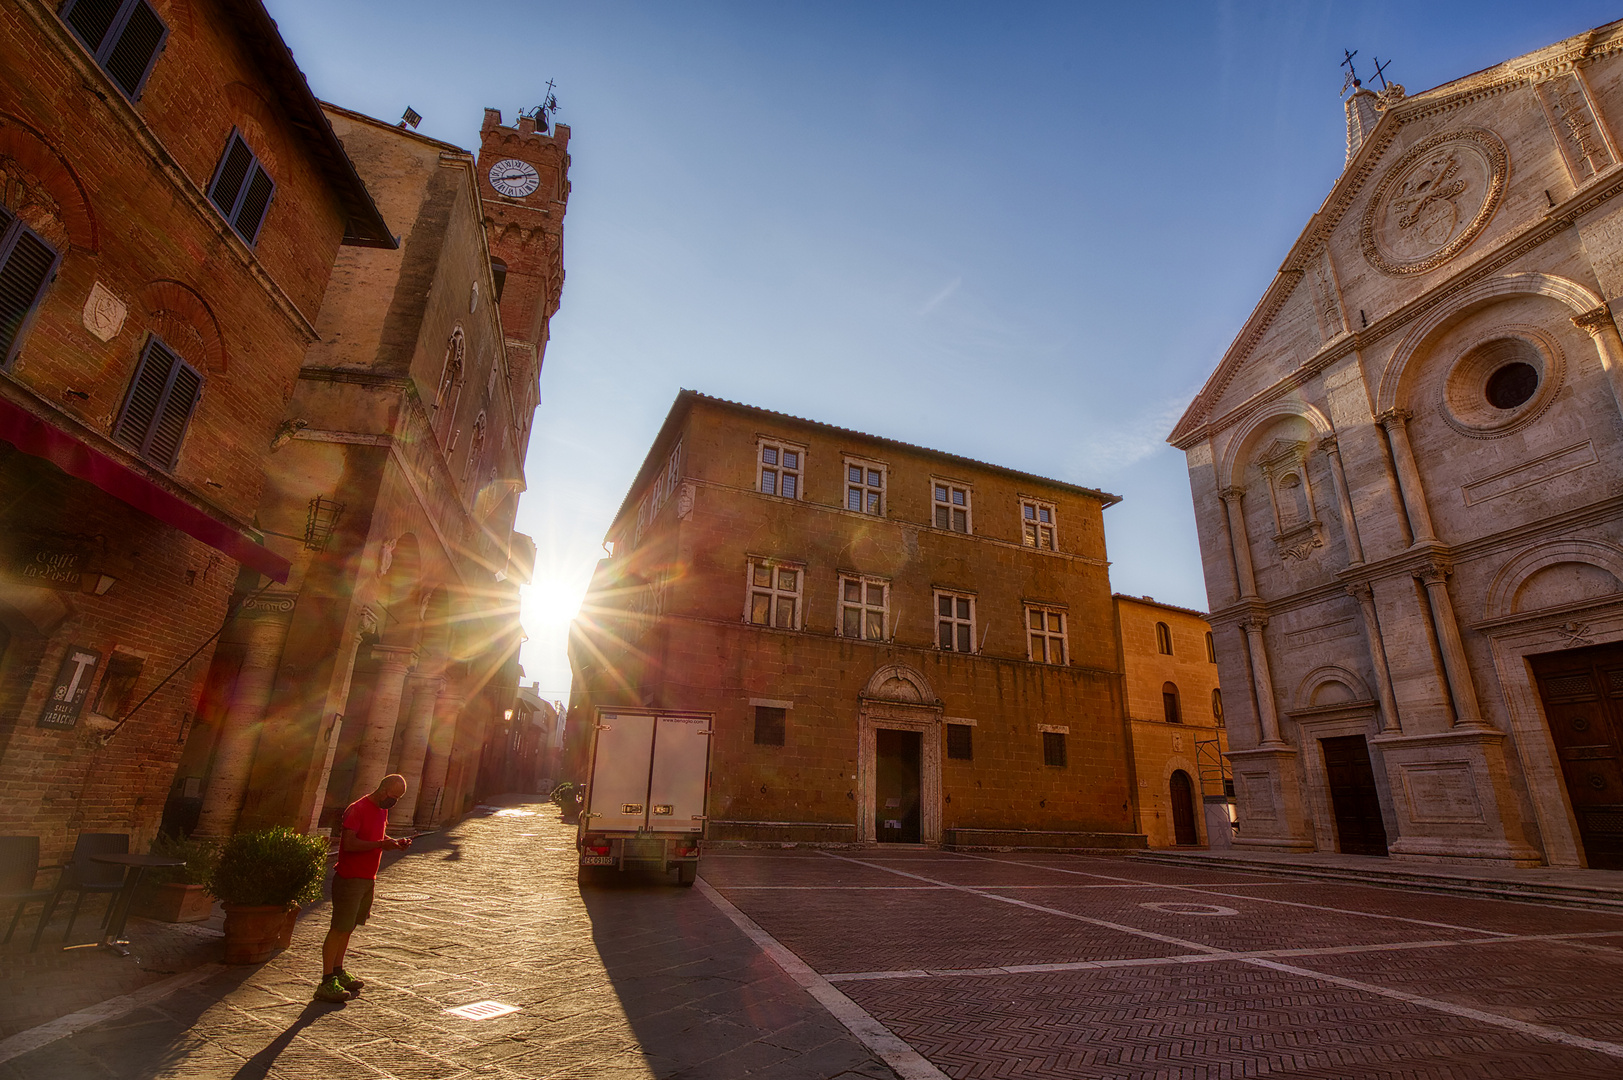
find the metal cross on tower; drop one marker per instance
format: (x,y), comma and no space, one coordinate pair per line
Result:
(1352,73)
(1379,68)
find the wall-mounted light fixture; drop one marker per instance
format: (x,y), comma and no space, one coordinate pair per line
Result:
(104,582)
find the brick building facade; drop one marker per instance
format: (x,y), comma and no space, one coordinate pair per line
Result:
(394,481)
(1175,723)
(1408,477)
(895,644)
(171,203)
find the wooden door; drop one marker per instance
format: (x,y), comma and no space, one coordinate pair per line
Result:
(898,757)
(1354,798)
(1183,810)
(1582,691)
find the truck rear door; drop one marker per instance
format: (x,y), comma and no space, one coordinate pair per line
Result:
(620,759)
(681,768)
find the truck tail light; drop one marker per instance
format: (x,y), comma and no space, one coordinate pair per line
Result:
(604,850)
(686,852)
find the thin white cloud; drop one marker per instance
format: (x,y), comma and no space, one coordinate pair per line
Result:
(940,297)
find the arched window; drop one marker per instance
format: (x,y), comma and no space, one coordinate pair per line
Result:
(1217,707)
(1211,648)
(476,449)
(1163,639)
(1169,702)
(498,271)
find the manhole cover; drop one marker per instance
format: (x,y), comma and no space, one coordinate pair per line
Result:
(404,896)
(1174,908)
(482,1010)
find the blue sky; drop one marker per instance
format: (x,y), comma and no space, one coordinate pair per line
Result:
(1021,232)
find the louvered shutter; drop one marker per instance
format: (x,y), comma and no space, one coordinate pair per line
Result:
(255,202)
(226,191)
(91,19)
(27,265)
(136,49)
(162,397)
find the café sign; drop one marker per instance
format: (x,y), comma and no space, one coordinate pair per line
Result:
(34,563)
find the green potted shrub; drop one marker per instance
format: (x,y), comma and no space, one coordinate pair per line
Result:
(262,878)
(179,894)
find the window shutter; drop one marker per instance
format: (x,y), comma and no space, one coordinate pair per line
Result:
(227,187)
(145,397)
(133,54)
(24,272)
(91,19)
(254,205)
(162,398)
(184,389)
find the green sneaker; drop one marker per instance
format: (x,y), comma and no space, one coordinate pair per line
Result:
(348,981)
(332,990)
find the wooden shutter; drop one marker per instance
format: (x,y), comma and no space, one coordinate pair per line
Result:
(162,397)
(125,37)
(242,189)
(27,265)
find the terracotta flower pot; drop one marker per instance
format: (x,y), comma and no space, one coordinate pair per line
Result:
(255,934)
(176,902)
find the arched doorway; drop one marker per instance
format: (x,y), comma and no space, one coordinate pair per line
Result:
(1183,810)
(899,759)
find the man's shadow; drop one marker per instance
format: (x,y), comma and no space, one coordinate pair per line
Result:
(260,1065)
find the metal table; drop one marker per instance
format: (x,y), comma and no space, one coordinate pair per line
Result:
(135,867)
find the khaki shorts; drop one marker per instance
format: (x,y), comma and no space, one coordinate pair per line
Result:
(351,902)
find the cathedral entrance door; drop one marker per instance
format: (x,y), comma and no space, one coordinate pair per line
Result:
(1582,691)
(898,757)
(1353,796)
(1183,810)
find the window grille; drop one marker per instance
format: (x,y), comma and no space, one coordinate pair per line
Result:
(1037,521)
(780,467)
(951,507)
(864,488)
(159,406)
(27,266)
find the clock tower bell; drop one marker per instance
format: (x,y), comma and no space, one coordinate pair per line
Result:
(523,176)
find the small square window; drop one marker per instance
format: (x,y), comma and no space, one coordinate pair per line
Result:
(769,725)
(1037,525)
(951,506)
(117,691)
(961,742)
(865,488)
(1054,748)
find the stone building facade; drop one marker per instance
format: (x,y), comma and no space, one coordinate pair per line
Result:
(171,204)
(1408,473)
(1175,723)
(895,644)
(394,481)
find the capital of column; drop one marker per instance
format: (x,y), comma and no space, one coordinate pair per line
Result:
(1329,445)
(269,605)
(429,680)
(1394,417)
(1595,321)
(1435,572)
(1253,624)
(1232,494)
(1361,591)
(394,657)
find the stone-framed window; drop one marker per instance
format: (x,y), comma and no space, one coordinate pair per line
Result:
(1054,736)
(770,722)
(955,621)
(780,467)
(864,607)
(773,594)
(865,486)
(960,741)
(1045,634)
(1038,524)
(952,506)
(1163,639)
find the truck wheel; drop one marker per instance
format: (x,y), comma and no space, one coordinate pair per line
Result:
(686,874)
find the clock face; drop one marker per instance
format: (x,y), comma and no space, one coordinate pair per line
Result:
(514,178)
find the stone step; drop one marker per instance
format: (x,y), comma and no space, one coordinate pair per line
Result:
(1601,896)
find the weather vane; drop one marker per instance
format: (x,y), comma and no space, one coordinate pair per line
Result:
(1352,73)
(543,112)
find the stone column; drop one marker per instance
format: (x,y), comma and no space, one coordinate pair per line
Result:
(1390,724)
(1396,423)
(1338,479)
(1467,711)
(414,747)
(447,710)
(1262,682)
(372,761)
(1600,325)
(268,618)
(1240,540)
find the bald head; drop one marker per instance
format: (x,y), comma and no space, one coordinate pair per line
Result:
(391,786)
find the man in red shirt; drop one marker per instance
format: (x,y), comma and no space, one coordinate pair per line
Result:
(359,853)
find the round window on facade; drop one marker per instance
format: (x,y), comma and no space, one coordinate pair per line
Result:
(1500,384)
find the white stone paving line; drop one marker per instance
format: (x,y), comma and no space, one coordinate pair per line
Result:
(908,1063)
(35,1037)
(1539,1031)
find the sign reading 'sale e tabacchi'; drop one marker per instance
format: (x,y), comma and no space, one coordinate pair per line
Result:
(72,686)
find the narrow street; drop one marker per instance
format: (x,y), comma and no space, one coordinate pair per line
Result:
(946,964)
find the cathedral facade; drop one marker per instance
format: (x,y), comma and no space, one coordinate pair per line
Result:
(1408,474)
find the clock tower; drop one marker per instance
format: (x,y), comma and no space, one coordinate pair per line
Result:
(523,176)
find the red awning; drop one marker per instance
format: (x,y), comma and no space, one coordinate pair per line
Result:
(31,435)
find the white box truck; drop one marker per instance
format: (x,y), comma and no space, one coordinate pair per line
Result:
(645,792)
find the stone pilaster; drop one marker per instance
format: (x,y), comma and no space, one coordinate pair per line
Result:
(1467,710)
(414,747)
(1239,540)
(1261,680)
(372,762)
(1338,479)
(1600,326)
(1396,423)
(1365,595)
(447,711)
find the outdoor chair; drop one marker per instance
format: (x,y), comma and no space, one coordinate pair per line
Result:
(81,875)
(19,866)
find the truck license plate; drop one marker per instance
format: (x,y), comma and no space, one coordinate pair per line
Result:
(597,860)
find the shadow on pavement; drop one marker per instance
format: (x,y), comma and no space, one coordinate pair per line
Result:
(260,1065)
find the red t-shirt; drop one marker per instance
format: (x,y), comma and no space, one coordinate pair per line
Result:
(367,819)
